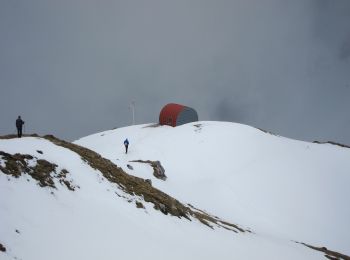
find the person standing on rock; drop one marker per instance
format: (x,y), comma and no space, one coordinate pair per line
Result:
(19,125)
(126,144)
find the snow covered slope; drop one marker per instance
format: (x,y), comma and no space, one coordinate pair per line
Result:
(274,185)
(59,201)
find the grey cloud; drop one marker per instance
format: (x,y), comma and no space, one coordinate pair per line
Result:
(344,52)
(71,68)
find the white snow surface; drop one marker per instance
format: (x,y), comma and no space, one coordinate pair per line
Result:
(281,189)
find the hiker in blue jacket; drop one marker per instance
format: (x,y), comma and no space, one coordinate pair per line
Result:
(126,144)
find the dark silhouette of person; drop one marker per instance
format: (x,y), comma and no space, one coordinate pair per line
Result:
(126,144)
(19,125)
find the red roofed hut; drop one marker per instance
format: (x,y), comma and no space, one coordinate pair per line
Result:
(175,114)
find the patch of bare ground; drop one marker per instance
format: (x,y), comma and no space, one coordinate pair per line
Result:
(158,170)
(2,248)
(12,136)
(198,128)
(152,126)
(43,171)
(267,132)
(328,253)
(333,143)
(133,185)
(216,220)
(139,205)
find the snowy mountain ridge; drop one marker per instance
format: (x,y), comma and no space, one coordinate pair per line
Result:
(268,190)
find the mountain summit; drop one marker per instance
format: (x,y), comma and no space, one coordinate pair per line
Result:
(202,190)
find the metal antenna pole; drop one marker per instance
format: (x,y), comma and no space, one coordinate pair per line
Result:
(132,107)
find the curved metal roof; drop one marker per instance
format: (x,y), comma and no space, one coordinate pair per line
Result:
(170,113)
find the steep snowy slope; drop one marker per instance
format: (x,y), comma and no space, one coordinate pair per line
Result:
(61,201)
(276,186)
(54,205)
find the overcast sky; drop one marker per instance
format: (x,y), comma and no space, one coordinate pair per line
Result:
(71,67)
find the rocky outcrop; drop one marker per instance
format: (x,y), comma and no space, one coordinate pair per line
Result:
(158,170)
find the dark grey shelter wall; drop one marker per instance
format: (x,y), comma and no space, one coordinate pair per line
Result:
(187,115)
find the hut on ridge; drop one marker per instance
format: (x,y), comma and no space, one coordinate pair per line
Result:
(176,114)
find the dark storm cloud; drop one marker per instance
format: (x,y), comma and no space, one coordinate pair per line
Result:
(71,68)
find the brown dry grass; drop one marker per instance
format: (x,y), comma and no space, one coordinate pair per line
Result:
(43,172)
(16,165)
(132,185)
(137,186)
(328,253)
(12,136)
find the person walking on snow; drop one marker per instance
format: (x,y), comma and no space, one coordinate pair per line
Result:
(19,125)
(126,144)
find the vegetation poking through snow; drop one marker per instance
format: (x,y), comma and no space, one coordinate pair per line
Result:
(267,132)
(12,136)
(42,171)
(158,170)
(328,253)
(62,176)
(198,128)
(217,221)
(137,186)
(152,125)
(333,143)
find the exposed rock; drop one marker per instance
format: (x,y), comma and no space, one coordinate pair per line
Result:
(2,248)
(139,205)
(158,170)
(149,181)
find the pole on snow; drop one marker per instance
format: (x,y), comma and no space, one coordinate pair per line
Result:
(132,107)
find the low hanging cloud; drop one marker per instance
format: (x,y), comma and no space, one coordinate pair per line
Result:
(72,68)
